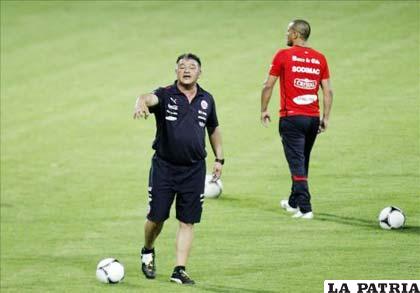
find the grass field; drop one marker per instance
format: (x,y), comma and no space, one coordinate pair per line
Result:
(74,165)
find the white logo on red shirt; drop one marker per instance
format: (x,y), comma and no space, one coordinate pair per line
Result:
(305,99)
(303,69)
(304,83)
(298,59)
(305,60)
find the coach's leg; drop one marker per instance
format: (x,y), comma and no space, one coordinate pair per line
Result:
(161,197)
(189,206)
(184,239)
(147,254)
(151,232)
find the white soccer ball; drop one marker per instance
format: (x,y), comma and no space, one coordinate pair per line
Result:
(212,189)
(110,270)
(391,218)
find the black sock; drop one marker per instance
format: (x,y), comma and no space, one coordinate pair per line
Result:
(144,250)
(178,268)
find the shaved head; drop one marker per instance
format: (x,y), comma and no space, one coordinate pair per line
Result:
(302,27)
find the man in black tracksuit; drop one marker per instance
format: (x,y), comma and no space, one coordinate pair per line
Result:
(302,71)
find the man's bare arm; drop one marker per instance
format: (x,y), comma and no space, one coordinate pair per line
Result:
(215,138)
(143,102)
(265,98)
(327,103)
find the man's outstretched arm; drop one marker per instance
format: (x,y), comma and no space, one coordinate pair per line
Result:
(141,107)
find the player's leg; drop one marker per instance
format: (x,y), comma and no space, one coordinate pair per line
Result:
(189,201)
(310,126)
(293,140)
(161,196)
(311,134)
(303,196)
(290,204)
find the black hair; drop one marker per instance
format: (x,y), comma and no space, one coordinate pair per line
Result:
(302,27)
(189,56)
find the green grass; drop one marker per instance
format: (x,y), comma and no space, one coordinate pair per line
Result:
(74,164)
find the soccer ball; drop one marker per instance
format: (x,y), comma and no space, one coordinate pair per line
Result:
(212,189)
(110,270)
(391,218)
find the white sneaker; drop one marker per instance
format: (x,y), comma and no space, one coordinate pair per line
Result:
(307,216)
(284,203)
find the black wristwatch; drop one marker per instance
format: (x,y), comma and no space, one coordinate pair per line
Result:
(221,161)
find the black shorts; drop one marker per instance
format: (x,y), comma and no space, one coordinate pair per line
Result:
(186,182)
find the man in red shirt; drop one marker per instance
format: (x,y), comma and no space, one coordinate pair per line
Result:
(302,70)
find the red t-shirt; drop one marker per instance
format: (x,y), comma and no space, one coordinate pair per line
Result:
(301,70)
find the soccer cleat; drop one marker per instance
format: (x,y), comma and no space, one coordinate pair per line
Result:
(284,203)
(181,277)
(148,266)
(307,216)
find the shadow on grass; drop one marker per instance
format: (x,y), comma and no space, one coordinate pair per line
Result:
(362,223)
(322,217)
(226,198)
(345,220)
(238,201)
(6,205)
(215,288)
(411,229)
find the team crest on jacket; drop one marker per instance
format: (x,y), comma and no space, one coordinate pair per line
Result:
(204,105)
